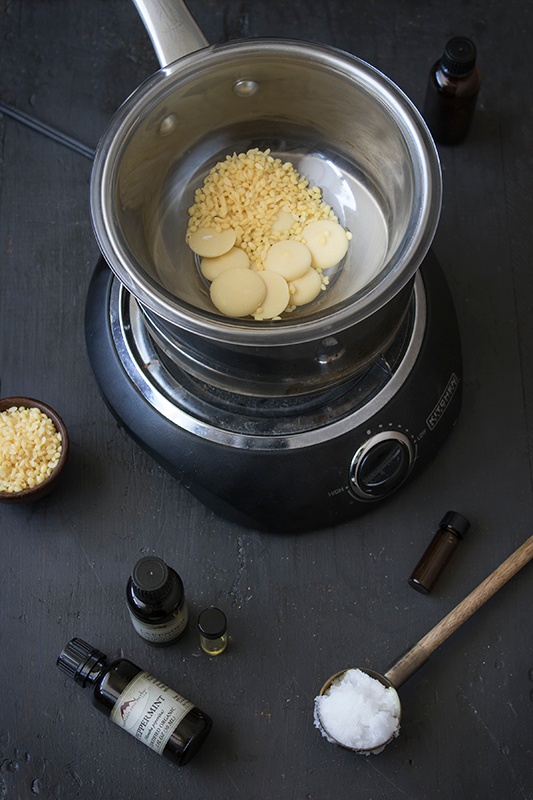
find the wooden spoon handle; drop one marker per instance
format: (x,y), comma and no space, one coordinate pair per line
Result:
(418,655)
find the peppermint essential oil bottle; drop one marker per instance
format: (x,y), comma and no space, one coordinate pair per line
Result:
(156,601)
(142,705)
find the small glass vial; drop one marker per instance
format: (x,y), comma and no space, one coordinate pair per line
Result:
(452,91)
(142,705)
(439,551)
(156,601)
(213,631)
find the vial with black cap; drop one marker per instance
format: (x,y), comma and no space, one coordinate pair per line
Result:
(156,601)
(212,627)
(452,91)
(137,702)
(451,530)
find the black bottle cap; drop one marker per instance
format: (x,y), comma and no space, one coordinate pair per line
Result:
(459,57)
(151,579)
(212,623)
(79,659)
(455,522)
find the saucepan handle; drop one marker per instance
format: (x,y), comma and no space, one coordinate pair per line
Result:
(171,27)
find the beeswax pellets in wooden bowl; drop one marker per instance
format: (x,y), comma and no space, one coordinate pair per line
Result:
(33,449)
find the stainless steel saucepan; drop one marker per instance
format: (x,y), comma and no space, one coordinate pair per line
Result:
(343,124)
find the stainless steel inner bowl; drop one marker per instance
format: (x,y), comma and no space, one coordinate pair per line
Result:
(347,128)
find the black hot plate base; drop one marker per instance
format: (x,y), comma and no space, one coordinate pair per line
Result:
(295,467)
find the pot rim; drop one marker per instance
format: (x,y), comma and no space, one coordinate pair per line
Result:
(393,276)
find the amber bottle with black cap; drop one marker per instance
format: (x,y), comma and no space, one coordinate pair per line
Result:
(156,601)
(452,91)
(451,530)
(137,702)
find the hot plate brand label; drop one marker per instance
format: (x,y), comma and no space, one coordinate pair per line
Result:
(444,401)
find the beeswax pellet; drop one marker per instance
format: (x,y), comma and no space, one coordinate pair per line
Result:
(306,288)
(277,295)
(290,258)
(233,259)
(211,243)
(327,242)
(238,292)
(283,222)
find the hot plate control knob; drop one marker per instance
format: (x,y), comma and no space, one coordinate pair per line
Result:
(380,465)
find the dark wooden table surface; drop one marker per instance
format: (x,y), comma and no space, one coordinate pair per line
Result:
(299,606)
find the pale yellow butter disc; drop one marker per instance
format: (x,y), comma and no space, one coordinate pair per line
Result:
(283,222)
(238,292)
(210,243)
(277,295)
(306,288)
(290,258)
(327,241)
(233,259)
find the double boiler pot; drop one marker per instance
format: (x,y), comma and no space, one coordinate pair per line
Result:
(344,125)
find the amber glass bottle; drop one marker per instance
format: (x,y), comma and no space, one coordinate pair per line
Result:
(156,601)
(452,529)
(452,91)
(136,701)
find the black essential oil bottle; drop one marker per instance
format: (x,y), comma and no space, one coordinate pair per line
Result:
(136,701)
(452,91)
(156,601)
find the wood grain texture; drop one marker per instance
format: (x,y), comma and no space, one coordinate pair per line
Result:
(300,607)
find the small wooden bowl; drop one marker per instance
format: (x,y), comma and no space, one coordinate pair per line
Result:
(41,489)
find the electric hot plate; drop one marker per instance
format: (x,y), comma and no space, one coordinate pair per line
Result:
(292,463)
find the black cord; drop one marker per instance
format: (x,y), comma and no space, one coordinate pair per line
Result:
(47,130)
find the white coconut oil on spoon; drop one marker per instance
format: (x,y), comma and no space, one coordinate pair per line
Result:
(358,709)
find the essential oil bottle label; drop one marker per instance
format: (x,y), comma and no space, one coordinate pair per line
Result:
(161,634)
(150,711)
